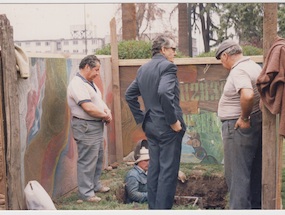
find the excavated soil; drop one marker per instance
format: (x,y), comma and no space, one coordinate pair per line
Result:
(210,191)
(206,192)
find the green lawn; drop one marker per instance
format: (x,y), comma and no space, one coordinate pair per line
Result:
(114,179)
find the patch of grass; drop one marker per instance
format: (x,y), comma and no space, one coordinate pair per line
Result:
(205,169)
(108,202)
(114,179)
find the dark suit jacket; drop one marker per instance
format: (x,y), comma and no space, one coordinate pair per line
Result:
(158,85)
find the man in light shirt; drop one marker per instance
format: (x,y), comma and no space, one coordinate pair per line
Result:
(89,114)
(241,127)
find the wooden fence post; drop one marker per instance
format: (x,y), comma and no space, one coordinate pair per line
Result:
(10,111)
(271,191)
(116,90)
(3,181)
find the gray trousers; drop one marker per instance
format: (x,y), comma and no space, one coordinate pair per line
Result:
(165,153)
(243,162)
(89,138)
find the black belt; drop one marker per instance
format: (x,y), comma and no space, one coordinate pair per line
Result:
(251,115)
(95,120)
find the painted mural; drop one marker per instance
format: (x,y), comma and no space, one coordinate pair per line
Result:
(202,142)
(200,90)
(49,152)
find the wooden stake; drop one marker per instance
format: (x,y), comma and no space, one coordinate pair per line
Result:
(270,156)
(116,91)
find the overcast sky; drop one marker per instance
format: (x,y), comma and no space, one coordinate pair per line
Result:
(53,21)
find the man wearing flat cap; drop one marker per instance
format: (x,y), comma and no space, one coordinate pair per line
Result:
(241,127)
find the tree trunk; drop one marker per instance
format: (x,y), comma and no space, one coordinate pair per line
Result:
(129,25)
(183,42)
(190,38)
(205,30)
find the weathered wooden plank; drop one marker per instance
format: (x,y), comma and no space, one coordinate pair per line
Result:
(279,173)
(270,194)
(3,181)
(184,61)
(187,73)
(127,75)
(211,72)
(11,116)
(116,89)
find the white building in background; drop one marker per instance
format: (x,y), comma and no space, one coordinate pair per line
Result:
(83,41)
(72,46)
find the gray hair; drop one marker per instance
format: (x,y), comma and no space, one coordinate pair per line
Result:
(159,42)
(233,50)
(90,60)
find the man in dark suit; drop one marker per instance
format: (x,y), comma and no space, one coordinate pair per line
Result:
(162,120)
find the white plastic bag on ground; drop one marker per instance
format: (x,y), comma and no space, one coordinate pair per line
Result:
(37,198)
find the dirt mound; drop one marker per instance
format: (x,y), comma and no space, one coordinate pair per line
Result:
(210,190)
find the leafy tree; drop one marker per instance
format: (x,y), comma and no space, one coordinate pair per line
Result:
(281,20)
(245,18)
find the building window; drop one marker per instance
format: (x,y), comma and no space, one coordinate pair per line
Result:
(75,51)
(58,46)
(38,43)
(28,44)
(66,43)
(75,42)
(94,41)
(47,43)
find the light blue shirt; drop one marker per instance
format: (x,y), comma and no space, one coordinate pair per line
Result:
(136,185)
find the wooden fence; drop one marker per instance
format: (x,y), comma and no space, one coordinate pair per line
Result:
(201,83)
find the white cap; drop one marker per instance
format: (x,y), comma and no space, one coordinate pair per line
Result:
(143,155)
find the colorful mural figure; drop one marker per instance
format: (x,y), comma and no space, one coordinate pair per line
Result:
(202,141)
(192,145)
(49,151)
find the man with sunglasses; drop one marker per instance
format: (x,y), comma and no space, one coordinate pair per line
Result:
(241,127)
(162,121)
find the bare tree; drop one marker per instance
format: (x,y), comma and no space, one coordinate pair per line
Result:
(147,13)
(207,26)
(141,19)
